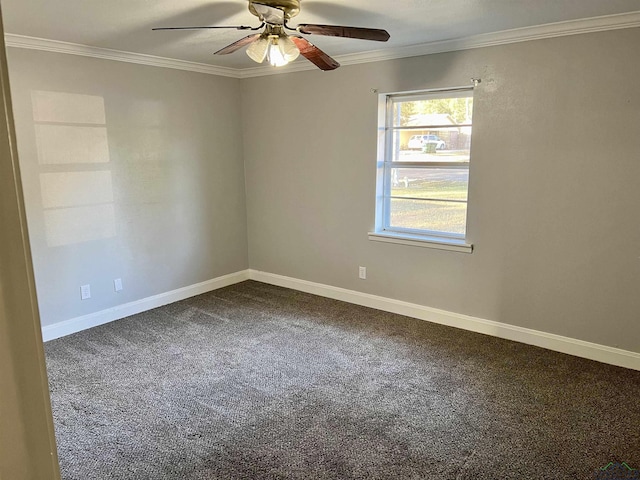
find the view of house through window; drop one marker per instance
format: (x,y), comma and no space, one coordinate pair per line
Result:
(424,168)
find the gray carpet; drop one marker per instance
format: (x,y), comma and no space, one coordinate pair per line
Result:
(259,382)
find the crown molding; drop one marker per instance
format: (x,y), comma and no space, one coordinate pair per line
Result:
(34,43)
(504,37)
(516,35)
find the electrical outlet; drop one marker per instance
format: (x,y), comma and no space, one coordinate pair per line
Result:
(117,284)
(362,272)
(85,292)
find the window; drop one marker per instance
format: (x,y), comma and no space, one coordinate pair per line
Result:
(423,168)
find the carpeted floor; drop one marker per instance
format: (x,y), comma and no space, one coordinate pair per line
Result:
(259,382)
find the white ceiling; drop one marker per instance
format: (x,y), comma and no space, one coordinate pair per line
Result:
(125,25)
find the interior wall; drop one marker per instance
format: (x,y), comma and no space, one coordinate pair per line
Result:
(129,172)
(137,173)
(553,194)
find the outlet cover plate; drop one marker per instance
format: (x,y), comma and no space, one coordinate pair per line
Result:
(362,272)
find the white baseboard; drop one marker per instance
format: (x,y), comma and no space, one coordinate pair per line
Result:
(550,341)
(67,327)
(558,343)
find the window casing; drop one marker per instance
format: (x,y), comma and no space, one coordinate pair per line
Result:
(423,167)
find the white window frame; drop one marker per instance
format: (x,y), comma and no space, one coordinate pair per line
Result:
(406,236)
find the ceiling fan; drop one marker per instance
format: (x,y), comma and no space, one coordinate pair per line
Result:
(279,48)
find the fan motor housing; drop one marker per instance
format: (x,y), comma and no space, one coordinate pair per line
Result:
(291,8)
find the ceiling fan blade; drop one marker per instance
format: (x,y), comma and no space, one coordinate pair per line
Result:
(268,14)
(238,45)
(235,27)
(314,54)
(348,32)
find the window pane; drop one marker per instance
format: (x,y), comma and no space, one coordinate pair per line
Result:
(433,112)
(425,172)
(445,217)
(451,144)
(433,183)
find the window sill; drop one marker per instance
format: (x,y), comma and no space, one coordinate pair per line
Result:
(422,241)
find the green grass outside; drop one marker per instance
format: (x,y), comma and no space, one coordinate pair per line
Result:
(437,187)
(429,215)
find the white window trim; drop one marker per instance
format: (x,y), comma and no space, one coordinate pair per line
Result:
(417,239)
(441,243)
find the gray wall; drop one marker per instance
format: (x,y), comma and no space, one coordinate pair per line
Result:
(554,193)
(129,172)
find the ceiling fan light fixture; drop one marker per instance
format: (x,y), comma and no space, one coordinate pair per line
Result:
(257,51)
(275,46)
(275,55)
(281,51)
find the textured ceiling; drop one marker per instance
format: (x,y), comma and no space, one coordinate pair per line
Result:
(126,24)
